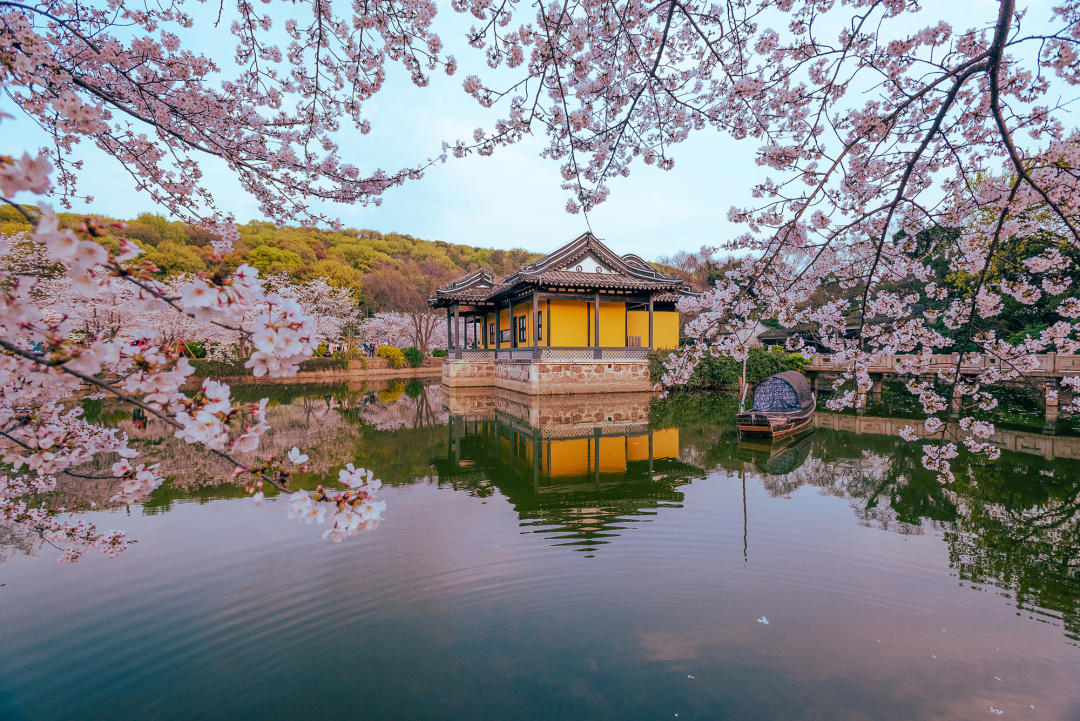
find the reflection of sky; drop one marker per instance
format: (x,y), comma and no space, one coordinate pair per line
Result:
(449,610)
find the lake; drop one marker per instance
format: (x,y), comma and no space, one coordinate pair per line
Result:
(591,557)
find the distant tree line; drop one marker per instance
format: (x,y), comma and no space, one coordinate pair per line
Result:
(386,271)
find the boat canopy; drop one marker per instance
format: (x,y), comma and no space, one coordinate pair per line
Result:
(785,392)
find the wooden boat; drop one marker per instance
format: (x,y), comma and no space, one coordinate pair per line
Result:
(783,405)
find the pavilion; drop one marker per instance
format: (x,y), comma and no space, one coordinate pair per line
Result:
(580,313)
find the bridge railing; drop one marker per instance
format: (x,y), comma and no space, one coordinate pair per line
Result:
(1050,364)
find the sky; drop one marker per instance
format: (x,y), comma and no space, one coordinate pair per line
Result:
(511,199)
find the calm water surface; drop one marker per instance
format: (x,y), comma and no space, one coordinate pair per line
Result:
(567,559)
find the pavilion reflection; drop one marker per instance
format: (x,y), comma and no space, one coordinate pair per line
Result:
(580,468)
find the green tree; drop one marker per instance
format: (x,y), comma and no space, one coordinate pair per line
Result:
(269,259)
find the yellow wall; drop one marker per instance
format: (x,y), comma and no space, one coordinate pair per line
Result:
(570,458)
(612,325)
(665,443)
(637,448)
(523,309)
(665,327)
(637,323)
(612,451)
(569,323)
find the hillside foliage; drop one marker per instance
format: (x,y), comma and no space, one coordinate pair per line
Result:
(345,258)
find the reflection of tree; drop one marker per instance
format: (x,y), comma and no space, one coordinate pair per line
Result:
(401,405)
(18,541)
(706,423)
(1013,523)
(1020,530)
(308,416)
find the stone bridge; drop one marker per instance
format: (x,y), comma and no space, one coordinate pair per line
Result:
(1052,368)
(1051,365)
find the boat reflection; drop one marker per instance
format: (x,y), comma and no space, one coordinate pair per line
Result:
(577,468)
(776,458)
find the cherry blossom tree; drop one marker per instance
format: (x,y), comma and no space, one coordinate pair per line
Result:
(880,126)
(45,361)
(420,329)
(117,74)
(332,309)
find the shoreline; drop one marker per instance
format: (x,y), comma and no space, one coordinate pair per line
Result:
(365,369)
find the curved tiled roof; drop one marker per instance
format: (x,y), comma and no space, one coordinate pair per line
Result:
(628,272)
(599,280)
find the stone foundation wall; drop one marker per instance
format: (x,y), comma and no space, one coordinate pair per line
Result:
(572,377)
(549,377)
(517,375)
(550,412)
(470,401)
(468,373)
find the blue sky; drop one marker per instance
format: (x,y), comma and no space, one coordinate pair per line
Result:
(511,199)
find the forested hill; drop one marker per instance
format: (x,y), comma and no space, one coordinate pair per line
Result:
(344,257)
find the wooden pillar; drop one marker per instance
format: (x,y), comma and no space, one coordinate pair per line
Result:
(449,426)
(498,329)
(513,330)
(457,443)
(650,453)
(597,353)
(449,337)
(650,322)
(596,456)
(457,327)
(536,464)
(535,325)
(549,322)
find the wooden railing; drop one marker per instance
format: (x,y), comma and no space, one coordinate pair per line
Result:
(552,353)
